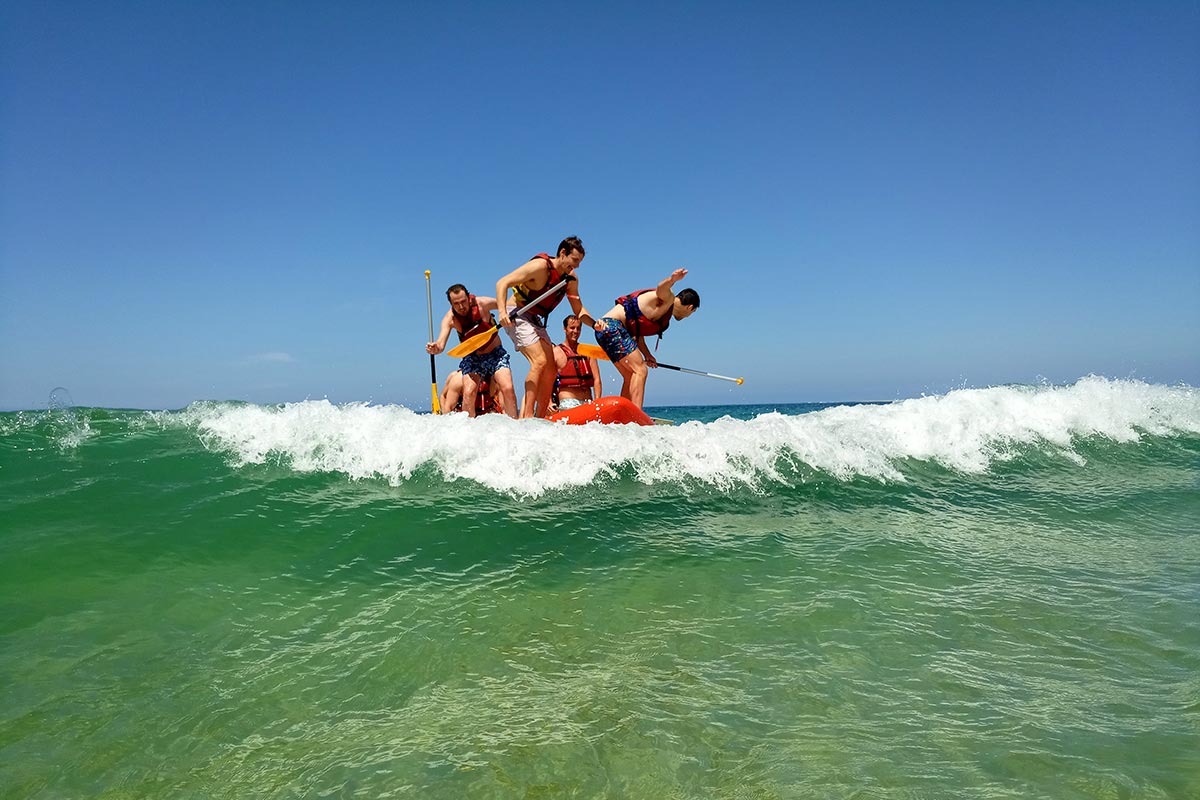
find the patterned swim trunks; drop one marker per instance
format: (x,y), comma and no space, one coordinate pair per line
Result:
(614,340)
(484,364)
(569,402)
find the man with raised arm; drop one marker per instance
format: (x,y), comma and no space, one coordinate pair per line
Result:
(528,330)
(622,332)
(471,315)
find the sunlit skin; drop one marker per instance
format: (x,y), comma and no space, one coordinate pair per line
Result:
(452,393)
(533,274)
(460,303)
(572,327)
(635,367)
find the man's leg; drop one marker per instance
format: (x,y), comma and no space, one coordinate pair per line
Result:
(539,355)
(503,382)
(621,348)
(546,381)
(470,394)
(634,370)
(534,343)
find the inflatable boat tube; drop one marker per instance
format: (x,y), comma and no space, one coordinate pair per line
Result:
(608,410)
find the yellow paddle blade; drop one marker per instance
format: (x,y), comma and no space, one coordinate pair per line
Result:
(469,346)
(436,405)
(592,351)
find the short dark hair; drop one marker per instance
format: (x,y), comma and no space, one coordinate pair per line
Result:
(567,319)
(458,287)
(571,244)
(688,297)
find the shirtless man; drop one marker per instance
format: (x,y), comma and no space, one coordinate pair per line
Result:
(622,332)
(470,315)
(528,330)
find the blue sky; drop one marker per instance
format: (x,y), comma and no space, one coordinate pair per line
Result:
(238,200)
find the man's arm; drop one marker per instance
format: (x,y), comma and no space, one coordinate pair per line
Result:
(651,361)
(433,348)
(664,294)
(585,318)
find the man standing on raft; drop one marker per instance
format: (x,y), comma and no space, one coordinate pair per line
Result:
(471,315)
(528,330)
(622,332)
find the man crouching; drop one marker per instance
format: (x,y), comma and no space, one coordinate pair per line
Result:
(622,332)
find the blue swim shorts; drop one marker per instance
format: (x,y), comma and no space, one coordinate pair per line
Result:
(486,364)
(614,340)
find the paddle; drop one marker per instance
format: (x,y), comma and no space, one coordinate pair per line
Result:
(595,351)
(477,341)
(437,406)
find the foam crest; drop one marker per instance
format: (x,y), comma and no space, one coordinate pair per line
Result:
(65,429)
(965,430)
(969,429)
(522,458)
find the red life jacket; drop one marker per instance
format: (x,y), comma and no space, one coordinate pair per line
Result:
(541,312)
(474,324)
(637,323)
(484,402)
(577,374)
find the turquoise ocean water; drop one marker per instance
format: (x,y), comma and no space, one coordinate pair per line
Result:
(994,593)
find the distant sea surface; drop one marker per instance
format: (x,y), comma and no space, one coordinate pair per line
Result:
(993,593)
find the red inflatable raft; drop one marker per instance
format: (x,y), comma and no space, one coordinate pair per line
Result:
(612,410)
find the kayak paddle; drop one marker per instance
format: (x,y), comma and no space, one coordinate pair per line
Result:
(432,365)
(595,351)
(468,346)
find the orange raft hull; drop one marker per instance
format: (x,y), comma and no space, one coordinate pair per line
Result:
(609,410)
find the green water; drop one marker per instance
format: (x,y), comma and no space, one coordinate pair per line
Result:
(177,623)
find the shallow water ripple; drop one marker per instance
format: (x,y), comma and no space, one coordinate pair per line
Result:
(178,623)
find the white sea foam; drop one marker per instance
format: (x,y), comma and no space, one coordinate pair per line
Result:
(965,430)
(65,427)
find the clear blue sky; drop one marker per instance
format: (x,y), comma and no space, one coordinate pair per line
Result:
(238,200)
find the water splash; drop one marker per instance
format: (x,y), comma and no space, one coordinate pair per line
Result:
(68,427)
(60,399)
(966,430)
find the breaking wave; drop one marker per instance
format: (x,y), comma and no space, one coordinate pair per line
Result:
(967,431)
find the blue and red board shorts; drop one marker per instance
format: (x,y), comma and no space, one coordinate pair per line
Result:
(615,340)
(484,364)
